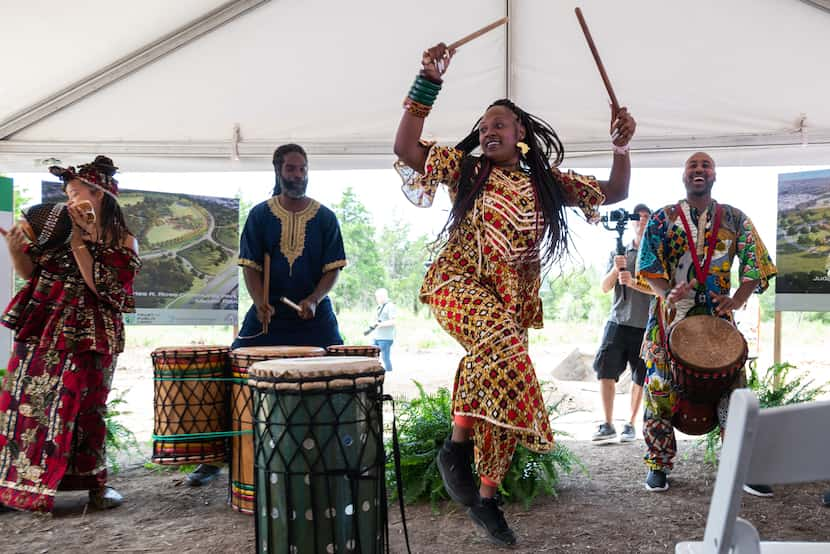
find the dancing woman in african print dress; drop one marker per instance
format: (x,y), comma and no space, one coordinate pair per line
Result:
(68,328)
(507,222)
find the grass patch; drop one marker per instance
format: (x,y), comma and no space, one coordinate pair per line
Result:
(227,236)
(206,257)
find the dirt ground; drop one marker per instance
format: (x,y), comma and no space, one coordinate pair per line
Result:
(605,510)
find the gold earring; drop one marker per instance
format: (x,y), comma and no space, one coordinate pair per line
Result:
(523,147)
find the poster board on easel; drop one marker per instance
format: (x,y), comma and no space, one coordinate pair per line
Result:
(7,273)
(802,251)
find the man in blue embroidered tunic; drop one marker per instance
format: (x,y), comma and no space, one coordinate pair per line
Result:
(306,247)
(303,239)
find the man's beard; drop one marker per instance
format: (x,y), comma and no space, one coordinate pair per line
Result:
(293,188)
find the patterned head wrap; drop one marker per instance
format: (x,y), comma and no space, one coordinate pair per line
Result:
(98,174)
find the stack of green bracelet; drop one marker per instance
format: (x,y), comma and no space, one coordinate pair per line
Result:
(424,91)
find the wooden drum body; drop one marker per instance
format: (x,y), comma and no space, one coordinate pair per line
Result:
(318,437)
(242,493)
(190,410)
(694,418)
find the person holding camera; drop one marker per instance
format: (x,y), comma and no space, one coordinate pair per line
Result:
(384,327)
(624,330)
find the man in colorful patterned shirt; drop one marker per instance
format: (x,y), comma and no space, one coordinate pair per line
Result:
(688,284)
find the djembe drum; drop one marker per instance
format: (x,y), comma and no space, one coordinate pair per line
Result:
(191,416)
(319,455)
(368,350)
(706,355)
(242,494)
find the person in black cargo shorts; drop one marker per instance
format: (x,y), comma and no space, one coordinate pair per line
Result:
(623,335)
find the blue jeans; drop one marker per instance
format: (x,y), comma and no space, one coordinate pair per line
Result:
(385,346)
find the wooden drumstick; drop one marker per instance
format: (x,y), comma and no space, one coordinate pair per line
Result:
(472,36)
(266,284)
(291,304)
(614,104)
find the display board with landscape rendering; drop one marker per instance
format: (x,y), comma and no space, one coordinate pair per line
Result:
(803,242)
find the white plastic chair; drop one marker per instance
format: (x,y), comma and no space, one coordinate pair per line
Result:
(775,446)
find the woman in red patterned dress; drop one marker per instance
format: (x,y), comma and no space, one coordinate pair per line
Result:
(507,222)
(68,331)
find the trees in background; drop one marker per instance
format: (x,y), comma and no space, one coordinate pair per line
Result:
(357,283)
(575,296)
(405,263)
(388,258)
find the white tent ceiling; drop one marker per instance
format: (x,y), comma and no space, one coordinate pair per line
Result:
(745,79)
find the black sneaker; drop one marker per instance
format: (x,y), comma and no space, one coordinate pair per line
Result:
(455,463)
(488,515)
(605,433)
(202,475)
(628,433)
(826,499)
(764,491)
(656,481)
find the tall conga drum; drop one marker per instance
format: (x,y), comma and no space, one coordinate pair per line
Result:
(190,407)
(242,495)
(368,350)
(319,456)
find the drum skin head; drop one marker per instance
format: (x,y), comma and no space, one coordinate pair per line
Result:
(353,350)
(269,352)
(190,349)
(316,373)
(706,343)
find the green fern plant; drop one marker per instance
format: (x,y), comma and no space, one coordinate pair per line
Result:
(779,386)
(119,438)
(423,424)
(532,474)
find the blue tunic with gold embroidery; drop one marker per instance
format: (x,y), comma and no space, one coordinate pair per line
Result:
(303,246)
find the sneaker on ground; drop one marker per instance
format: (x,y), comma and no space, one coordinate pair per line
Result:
(455,464)
(826,499)
(488,515)
(105,498)
(656,481)
(628,433)
(202,475)
(764,491)
(605,433)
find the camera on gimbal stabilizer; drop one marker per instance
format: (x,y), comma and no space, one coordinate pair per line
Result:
(620,214)
(370,329)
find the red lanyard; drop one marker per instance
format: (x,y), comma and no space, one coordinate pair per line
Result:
(702,271)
